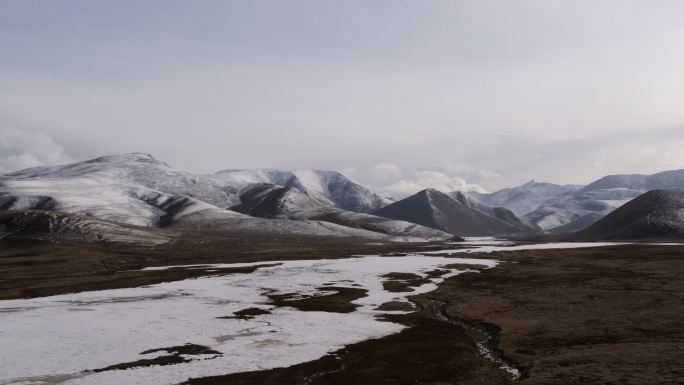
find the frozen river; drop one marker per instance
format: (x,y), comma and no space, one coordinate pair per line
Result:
(66,338)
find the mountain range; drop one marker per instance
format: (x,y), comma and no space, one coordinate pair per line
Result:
(330,187)
(137,198)
(273,201)
(567,208)
(138,190)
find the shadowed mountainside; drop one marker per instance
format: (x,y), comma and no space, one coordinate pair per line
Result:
(437,210)
(655,214)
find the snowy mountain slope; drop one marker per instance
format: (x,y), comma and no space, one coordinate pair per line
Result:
(264,227)
(326,186)
(48,225)
(136,189)
(563,211)
(437,210)
(577,224)
(274,201)
(136,168)
(131,188)
(598,199)
(655,214)
(557,208)
(271,201)
(525,198)
(395,228)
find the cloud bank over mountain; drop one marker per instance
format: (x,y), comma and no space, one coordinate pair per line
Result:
(27,148)
(392,180)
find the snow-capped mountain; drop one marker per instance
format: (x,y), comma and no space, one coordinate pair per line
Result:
(559,209)
(132,188)
(598,199)
(271,201)
(655,214)
(137,189)
(570,212)
(326,186)
(438,210)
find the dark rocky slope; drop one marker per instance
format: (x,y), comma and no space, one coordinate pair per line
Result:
(655,214)
(437,210)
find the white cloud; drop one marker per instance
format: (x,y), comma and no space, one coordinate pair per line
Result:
(420,180)
(23,148)
(391,179)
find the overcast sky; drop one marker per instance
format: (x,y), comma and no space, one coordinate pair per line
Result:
(400,95)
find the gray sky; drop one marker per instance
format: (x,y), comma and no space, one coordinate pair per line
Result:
(398,94)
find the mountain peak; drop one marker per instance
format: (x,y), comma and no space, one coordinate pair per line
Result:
(142,157)
(433,208)
(431,191)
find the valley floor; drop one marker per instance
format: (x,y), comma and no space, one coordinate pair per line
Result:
(609,315)
(30,268)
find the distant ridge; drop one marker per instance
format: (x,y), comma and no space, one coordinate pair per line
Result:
(437,210)
(327,186)
(271,201)
(562,209)
(654,215)
(661,180)
(116,192)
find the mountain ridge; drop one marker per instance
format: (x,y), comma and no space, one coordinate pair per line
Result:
(325,185)
(137,189)
(435,209)
(272,201)
(655,214)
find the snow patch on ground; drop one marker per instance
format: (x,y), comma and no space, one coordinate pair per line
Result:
(62,336)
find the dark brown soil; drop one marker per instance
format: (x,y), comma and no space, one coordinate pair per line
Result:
(173,358)
(396,306)
(586,316)
(339,301)
(436,273)
(402,282)
(246,314)
(463,266)
(189,349)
